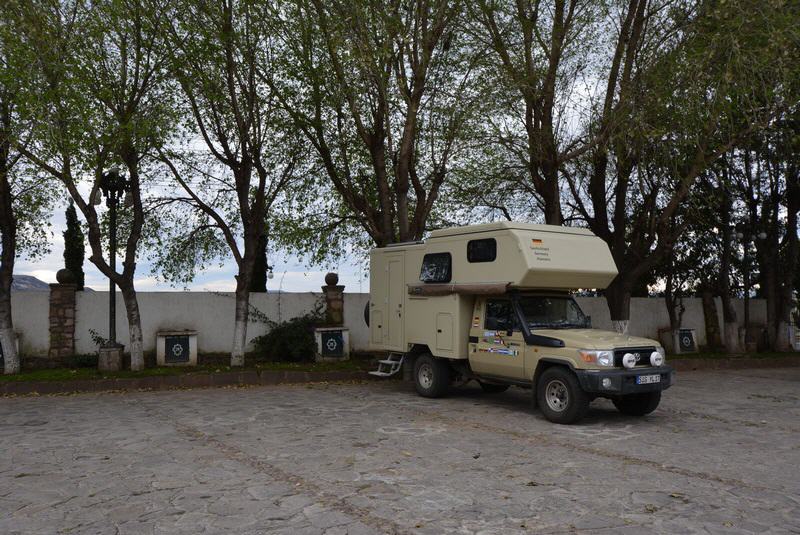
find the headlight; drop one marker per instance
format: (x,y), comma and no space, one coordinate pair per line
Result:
(657,357)
(601,357)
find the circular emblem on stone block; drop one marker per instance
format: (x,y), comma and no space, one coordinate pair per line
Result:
(177,350)
(331,344)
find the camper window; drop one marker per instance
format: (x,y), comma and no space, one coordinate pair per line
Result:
(436,267)
(482,250)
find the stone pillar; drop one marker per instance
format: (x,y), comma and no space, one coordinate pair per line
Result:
(62,317)
(334,300)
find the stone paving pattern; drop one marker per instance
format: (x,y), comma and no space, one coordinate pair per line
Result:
(721,455)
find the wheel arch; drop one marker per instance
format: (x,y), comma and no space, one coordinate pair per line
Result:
(546,363)
(411,356)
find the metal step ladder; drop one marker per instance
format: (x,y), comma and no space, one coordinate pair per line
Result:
(389,366)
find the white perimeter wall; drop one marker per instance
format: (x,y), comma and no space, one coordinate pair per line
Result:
(211,314)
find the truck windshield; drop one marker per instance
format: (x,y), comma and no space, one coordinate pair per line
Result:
(552,312)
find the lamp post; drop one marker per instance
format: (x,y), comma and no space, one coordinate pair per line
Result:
(113,185)
(745,237)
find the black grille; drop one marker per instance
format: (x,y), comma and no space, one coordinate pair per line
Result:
(644,355)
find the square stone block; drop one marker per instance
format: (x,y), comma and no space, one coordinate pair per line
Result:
(176,348)
(109,359)
(333,343)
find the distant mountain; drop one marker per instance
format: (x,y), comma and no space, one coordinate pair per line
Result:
(22,283)
(28,283)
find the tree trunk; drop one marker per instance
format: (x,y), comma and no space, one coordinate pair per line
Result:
(8,233)
(672,304)
(9,346)
(134,327)
(241,318)
(711,319)
(769,282)
(788,267)
(731,327)
(618,298)
(552,197)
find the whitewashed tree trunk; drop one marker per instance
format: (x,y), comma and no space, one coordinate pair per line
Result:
(137,347)
(732,342)
(618,299)
(10,355)
(782,341)
(240,324)
(621,326)
(134,328)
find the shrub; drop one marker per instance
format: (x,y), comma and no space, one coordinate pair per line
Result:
(290,341)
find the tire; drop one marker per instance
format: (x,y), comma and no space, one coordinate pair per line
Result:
(431,376)
(638,404)
(490,388)
(560,396)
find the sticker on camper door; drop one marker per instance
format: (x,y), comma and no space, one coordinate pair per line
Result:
(500,351)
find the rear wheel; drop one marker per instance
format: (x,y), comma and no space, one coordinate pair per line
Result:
(638,404)
(490,388)
(560,397)
(431,376)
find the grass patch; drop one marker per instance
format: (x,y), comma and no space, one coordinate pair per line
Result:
(723,355)
(69,374)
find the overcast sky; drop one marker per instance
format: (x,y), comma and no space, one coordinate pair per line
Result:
(291,275)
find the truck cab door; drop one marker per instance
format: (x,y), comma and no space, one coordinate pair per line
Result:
(497,347)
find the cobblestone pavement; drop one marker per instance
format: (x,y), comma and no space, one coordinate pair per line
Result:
(721,455)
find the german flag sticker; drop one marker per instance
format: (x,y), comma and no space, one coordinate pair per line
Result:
(536,242)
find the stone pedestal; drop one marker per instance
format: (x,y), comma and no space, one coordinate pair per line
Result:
(334,300)
(333,343)
(685,341)
(176,348)
(109,358)
(62,321)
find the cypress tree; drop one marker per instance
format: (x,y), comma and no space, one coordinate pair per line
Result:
(74,250)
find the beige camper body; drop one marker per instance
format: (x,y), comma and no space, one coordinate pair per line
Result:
(405,311)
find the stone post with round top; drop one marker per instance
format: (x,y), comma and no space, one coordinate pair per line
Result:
(334,300)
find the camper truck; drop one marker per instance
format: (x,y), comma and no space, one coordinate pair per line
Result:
(493,303)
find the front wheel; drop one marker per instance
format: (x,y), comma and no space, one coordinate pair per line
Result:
(638,404)
(560,397)
(431,376)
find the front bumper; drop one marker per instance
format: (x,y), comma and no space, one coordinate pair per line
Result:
(624,381)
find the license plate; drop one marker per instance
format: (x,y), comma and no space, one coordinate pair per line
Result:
(647,379)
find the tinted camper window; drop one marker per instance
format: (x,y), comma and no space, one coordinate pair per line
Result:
(436,267)
(482,250)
